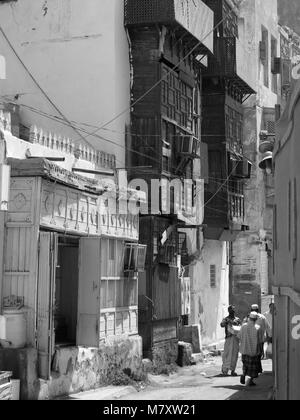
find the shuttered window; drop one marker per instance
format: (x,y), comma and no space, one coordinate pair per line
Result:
(289,214)
(295,239)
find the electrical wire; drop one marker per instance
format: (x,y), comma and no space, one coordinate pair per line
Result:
(132,105)
(68,122)
(46,115)
(38,85)
(168,73)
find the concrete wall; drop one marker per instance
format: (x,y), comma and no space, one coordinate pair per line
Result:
(79,56)
(209,305)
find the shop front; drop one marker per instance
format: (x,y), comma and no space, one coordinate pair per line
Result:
(70,273)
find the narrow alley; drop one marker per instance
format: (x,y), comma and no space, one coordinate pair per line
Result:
(200,382)
(149,197)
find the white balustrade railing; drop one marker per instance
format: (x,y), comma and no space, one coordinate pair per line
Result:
(65,145)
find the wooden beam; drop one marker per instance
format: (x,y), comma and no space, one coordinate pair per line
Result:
(92,171)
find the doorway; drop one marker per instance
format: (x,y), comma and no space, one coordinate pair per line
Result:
(66,291)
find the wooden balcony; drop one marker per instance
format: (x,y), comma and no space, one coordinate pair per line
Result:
(194,17)
(224,214)
(236,207)
(226,62)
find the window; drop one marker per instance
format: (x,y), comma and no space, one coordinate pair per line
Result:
(134,258)
(264,55)
(295,228)
(177,97)
(273,56)
(289,214)
(213,279)
(112,244)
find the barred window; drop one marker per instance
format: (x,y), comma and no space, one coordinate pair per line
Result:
(213,277)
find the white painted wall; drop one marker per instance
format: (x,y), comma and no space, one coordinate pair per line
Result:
(249,254)
(209,305)
(78,53)
(253,15)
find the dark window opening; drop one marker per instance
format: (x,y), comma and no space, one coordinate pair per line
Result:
(66,292)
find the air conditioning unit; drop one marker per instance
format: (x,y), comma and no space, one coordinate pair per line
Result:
(263,135)
(242,168)
(189,145)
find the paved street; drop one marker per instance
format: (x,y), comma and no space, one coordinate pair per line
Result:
(199,382)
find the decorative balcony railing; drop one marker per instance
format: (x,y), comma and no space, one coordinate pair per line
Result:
(65,145)
(229,61)
(223,63)
(236,206)
(194,16)
(62,144)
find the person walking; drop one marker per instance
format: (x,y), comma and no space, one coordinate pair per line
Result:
(251,337)
(269,331)
(264,325)
(231,347)
(269,317)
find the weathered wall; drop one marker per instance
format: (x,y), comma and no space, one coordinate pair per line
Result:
(76,369)
(209,305)
(250,261)
(254,15)
(289,14)
(79,56)
(287,253)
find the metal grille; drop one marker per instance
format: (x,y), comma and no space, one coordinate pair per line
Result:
(213,277)
(148,11)
(271,127)
(224,60)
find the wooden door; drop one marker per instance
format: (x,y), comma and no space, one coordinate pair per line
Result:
(89,293)
(45,302)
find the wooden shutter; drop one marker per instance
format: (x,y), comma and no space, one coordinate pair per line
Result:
(276,65)
(141,257)
(89,293)
(45,301)
(286,72)
(204,162)
(263,51)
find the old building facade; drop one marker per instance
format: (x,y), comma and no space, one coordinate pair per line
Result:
(69,242)
(251,254)
(286,252)
(167,42)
